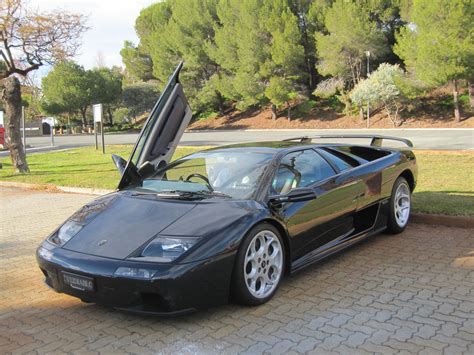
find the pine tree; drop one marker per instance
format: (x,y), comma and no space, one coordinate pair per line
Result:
(138,64)
(310,15)
(350,34)
(171,31)
(189,31)
(438,43)
(257,45)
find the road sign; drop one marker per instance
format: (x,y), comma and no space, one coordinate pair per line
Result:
(97,110)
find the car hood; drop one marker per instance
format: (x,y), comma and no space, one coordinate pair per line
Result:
(118,224)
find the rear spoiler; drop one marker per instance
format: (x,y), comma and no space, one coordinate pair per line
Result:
(376,140)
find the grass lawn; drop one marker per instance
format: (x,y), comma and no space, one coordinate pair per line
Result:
(81,167)
(445,182)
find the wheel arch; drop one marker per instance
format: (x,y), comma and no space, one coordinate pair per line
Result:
(410,178)
(286,240)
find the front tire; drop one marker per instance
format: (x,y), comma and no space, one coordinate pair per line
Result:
(259,266)
(400,206)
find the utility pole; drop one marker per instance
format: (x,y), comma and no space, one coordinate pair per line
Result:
(51,132)
(368,101)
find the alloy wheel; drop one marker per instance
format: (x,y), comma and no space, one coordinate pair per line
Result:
(263,266)
(402,204)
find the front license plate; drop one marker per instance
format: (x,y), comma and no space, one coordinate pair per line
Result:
(78,282)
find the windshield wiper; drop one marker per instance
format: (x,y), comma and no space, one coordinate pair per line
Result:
(182,194)
(210,193)
(143,194)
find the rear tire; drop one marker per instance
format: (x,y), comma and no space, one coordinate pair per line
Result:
(259,266)
(400,207)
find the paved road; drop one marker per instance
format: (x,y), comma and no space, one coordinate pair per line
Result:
(412,293)
(451,139)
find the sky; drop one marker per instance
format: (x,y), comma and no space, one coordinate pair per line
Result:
(111,23)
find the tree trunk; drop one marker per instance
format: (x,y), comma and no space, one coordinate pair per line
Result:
(274,112)
(11,96)
(84,118)
(470,89)
(289,111)
(309,61)
(457,113)
(69,129)
(111,117)
(220,103)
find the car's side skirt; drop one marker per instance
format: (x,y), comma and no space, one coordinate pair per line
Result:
(315,256)
(340,243)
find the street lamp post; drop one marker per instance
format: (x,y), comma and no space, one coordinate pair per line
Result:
(367,53)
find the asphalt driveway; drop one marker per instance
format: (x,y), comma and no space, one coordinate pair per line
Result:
(432,139)
(410,293)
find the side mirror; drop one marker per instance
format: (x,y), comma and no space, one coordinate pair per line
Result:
(295,195)
(147,169)
(120,163)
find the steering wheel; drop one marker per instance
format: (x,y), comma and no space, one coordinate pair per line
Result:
(202,177)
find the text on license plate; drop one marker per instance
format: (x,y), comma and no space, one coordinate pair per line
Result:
(78,282)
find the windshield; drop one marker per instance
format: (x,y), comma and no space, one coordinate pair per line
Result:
(235,173)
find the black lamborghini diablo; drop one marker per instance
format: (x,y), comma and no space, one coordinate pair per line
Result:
(226,223)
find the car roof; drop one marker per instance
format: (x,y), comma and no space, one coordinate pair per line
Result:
(270,147)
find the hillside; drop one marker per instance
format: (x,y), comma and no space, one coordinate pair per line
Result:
(321,120)
(432,111)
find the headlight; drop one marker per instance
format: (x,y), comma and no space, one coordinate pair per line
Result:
(45,253)
(166,249)
(134,273)
(65,233)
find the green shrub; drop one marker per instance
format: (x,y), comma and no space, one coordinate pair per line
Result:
(329,87)
(206,115)
(121,115)
(381,90)
(140,98)
(305,107)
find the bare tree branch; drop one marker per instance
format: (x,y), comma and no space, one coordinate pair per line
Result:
(29,38)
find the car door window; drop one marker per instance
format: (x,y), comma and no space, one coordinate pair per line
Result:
(340,164)
(341,160)
(299,169)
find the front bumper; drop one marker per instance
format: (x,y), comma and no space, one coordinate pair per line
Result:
(173,289)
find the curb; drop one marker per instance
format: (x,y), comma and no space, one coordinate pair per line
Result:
(418,218)
(84,190)
(443,220)
(55,188)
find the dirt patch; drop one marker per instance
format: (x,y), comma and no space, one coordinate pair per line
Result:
(325,119)
(29,187)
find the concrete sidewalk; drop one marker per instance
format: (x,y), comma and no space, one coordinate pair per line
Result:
(408,293)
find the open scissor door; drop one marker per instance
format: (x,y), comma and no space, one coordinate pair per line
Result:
(161,133)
